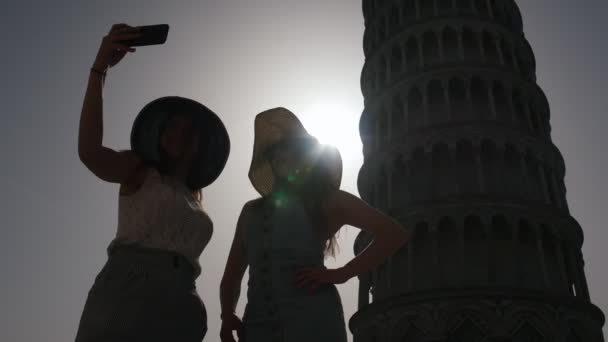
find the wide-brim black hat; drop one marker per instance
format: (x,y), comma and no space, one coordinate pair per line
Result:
(214,140)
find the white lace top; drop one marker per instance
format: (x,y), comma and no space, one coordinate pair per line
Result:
(162,214)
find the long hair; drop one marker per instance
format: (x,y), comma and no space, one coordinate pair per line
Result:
(314,190)
(167,165)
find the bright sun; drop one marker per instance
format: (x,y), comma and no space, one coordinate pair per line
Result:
(335,125)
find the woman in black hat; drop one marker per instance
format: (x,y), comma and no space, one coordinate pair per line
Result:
(284,236)
(146,290)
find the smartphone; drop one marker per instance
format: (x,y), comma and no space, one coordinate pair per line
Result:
(150,35)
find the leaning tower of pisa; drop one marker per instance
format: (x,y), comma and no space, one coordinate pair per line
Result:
(457,147)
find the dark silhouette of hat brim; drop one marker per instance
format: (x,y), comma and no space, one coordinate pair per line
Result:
(214,147)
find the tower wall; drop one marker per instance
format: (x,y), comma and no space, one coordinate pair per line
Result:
(457,147)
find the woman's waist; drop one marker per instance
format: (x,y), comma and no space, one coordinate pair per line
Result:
(279,272)
(134,256)
(154,253)
(280,281)
(325,297)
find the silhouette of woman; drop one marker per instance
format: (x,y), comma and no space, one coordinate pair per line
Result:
(146,290)
(284,236)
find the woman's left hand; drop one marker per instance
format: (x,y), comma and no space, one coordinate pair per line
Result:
(313,277)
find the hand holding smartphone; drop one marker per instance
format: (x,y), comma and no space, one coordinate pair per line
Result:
(149,35)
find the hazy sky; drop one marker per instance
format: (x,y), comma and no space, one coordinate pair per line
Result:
(239,58)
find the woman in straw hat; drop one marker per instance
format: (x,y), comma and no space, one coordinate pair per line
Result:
(284,235)
(146,290)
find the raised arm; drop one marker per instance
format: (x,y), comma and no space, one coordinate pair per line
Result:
(230,286)
(105,163)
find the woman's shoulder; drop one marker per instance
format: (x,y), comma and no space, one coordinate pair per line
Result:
(253,204)
(137,179)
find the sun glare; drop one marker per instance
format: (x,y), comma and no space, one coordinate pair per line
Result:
(335,125)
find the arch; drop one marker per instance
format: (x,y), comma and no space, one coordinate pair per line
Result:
(459,103)
(371,79)
(480,99)
(513,176)
(445,7)
(393,22)
(520,110)
(401,191)
(382,132)
(508,17)
(468,328)
(423,263)
(451,50)
(551,183)
(507,52)
(441,168)
(383,190)
(436,105)
(449,253)
(397,116)
(534,118)
(491,8)
(576,332)
(415,110)
(466,170)
(367,80)
(430,48)
(501,103)
(570,268)
(381,25)
(367,6)
(409,10)
(526,65)
(396,61)
(490,48)
(534,181)
(475,251)
(427,8)
(412,55)
(470,45)
(464,6)
(382,72)
(551,262)
(482,7)
(412,332)
(503,256)
(419,174)
(490,168)
(531,272)
(527,331)
(499,11)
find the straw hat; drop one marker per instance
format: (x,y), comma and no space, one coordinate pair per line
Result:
(214,140)
(276,125)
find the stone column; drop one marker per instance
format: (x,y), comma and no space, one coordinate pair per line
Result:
(364,287)
(516,281)
(544,184)
(562,265)
(462,244)
(433,230)
(479,163)
(541,254)
(582,288)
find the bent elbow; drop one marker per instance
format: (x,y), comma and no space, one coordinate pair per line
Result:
(85,154)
